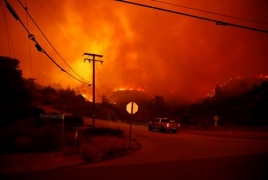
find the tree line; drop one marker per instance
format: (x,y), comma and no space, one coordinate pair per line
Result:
(246,106)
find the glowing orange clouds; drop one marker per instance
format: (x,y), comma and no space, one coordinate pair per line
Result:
(141,47)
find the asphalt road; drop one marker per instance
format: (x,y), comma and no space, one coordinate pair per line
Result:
(172,156)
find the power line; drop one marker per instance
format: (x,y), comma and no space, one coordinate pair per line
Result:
(62,24)
(224,15)
(68,38)
(25,8)
(30,54)
(32,37)
(98,92)
(6,29)
(82,19)
(9,40)
(82,86)
(218,22)
(84,24)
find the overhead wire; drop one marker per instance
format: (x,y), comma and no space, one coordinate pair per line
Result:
(218,22)
(9,40)
(79,10)
(68,38)
(81,87)
(37,45)
(200,10)
(25,8)
(98,93)
(6,29)
(82,19)
(81,16)
(30,54)
(63,24)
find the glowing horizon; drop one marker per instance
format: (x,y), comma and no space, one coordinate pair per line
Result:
(157,51)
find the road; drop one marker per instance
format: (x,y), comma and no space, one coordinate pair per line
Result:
(172,156)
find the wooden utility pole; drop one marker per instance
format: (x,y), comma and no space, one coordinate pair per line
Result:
(93,80)
(32,83)
(32,88)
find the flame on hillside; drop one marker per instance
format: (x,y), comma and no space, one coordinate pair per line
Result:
(87,98)
(261,76)
(212,94)
(130,89)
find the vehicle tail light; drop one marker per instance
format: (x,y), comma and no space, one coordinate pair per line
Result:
(167,124)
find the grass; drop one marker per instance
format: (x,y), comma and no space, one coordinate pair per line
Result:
(28,155)
(105,143)
(101,148)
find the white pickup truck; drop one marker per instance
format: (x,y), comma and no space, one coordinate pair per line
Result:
(163,125)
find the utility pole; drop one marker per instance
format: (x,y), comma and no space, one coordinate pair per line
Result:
(32,87)
(32,83)
(93,80)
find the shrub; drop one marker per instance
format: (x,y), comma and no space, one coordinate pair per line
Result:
(114,147)
(7,139)
(103,148)
(69,120)
(24,144)
(38,140)
(73,121)
(88,153)
(104,131)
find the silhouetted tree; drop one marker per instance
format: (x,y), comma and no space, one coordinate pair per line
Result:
(260,106)
(264,85)
(15,98)
(80,98)
(49,95)
(218,91)
(157,106)
(104,99)
(254,87)
(243,84)
(66,95)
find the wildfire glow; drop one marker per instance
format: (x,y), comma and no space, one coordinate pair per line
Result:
(261,76)
(188,58)
(86,97)
(130,89)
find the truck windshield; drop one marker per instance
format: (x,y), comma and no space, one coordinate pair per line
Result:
(165,120)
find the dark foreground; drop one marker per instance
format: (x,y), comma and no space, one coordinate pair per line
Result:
(171,156)
(247,167)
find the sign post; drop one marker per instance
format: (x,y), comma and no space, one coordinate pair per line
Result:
(62,130)
(132,108)
(75,138)
(56,116)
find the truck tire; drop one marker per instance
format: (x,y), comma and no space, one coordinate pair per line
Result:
(162,129)
(174,130)
(150,128)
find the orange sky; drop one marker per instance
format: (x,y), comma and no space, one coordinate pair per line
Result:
(142,48)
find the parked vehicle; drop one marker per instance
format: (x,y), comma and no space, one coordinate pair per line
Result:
(163,125)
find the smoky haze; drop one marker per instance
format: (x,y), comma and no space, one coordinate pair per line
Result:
(159,52)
